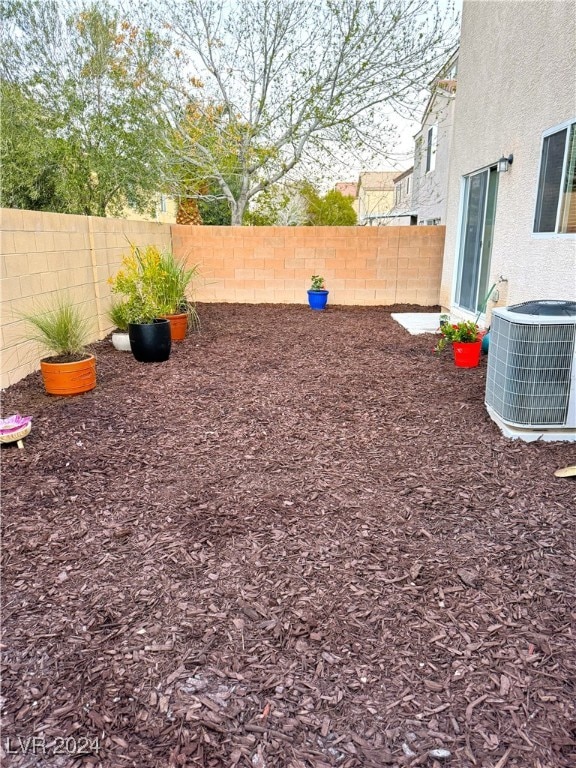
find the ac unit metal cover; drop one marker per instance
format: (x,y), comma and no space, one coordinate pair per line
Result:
(531,375)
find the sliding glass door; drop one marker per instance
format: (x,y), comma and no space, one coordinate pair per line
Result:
(476,239)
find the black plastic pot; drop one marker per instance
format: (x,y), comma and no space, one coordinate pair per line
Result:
(150,342)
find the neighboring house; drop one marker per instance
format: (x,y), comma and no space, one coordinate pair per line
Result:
(164,211)
(375,196)
(402,214)
(348,189)
(432,147)
(515,230)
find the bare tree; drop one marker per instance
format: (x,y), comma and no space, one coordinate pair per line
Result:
(289,77)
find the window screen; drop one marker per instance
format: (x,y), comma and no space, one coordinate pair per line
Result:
(557,183)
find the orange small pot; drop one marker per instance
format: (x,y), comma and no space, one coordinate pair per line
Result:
(69,378)
(178,326)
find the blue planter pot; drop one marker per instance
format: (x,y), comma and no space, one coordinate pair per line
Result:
(317,299)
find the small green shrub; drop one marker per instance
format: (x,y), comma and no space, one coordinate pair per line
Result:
(119,314)
(153,284)
(317,283)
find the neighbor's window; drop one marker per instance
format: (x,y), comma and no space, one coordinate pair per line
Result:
(398,194)
(556,201)
(431,148)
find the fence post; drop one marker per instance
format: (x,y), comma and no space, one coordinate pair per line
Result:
(95,280)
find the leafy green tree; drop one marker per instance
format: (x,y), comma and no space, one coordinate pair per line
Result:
(300,204)
(92,86)
(281,205)
(214,208)
(331,210)
(31,168)
(297,81)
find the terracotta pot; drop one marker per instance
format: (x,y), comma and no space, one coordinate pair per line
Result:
(69,378)
(467,354)
(178,325)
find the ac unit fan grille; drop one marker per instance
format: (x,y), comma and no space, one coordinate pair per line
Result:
(529,372)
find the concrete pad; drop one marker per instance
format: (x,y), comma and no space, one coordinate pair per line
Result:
(530,435)
(418,322)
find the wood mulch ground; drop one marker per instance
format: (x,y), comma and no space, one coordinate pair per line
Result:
(300,542)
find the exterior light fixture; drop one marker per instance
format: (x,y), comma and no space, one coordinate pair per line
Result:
(504,162)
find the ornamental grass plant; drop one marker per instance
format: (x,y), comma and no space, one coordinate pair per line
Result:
(173,285)
(61,328)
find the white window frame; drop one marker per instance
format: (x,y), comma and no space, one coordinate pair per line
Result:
(550,132)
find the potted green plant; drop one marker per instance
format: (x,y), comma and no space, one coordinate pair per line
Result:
(138,282)
(466,340)
(317,293)
(119,314)
(64,330)
(174,281)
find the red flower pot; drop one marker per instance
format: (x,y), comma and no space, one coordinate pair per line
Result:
(467,353)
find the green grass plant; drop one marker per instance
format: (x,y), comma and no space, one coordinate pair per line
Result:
(61,328)
(174,282)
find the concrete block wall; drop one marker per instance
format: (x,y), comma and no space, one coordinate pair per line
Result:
(361,265)
(45,254)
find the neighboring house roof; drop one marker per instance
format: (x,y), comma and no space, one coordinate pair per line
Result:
(346,188)
(403,175)
(378,181)
(441,85)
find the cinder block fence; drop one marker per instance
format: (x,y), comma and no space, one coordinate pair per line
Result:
(43,254)
(361,265)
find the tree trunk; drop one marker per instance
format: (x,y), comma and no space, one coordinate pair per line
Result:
(237,209)
(188,212)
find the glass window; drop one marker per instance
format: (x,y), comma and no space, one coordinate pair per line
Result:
(431,149)
(556,200)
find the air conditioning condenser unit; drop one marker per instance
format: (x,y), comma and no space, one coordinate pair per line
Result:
(531,375)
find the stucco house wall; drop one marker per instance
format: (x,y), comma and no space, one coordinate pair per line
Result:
(516,79)
(375,195)
(430,189)
(402,210)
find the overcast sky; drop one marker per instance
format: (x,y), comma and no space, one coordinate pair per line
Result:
(402,155)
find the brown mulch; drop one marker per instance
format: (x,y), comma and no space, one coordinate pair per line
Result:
(300,542)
